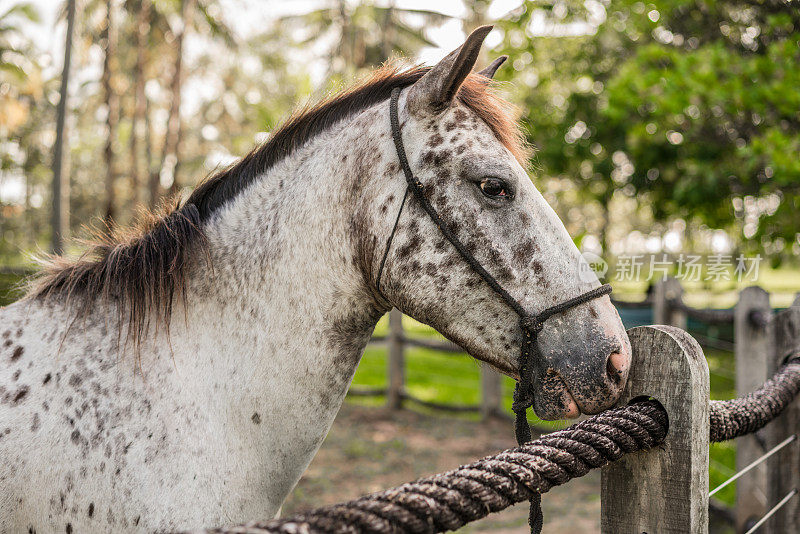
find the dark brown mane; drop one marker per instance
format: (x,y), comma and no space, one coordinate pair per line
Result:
(144,269)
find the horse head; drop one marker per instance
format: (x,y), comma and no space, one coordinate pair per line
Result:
(465,149)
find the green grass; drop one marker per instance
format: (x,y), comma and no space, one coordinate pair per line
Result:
(782,285)
(722,463)
(10,288)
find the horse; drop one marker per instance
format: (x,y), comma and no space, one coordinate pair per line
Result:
(184,374)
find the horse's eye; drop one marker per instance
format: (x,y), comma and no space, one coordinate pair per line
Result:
(494,188)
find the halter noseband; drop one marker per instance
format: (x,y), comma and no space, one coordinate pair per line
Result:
(531,324)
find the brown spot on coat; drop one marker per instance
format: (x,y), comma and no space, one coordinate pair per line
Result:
(412,245)
(256,418)
(36,423)
(523,253)
(435,140)
(21,392)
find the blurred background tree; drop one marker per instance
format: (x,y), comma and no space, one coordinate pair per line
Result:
(22,157)
(359,36)
(688,107)
(672,122)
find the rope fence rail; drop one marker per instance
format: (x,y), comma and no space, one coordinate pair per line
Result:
(665,422)
(450,500)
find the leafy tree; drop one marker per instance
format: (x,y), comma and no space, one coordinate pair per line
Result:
(20,74)
(689,105)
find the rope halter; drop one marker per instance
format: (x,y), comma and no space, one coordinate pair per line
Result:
(531,324)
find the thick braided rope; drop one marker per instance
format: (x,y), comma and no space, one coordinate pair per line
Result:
(448,501)
(745,415)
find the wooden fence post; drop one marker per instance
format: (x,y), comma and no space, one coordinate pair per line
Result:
(663,490)
(753,351)
(783,469)
(491,394)
(395,362)
(667,289)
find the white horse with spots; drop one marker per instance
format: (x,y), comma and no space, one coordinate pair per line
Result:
(186,377)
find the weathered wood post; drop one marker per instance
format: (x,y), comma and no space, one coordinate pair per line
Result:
(491,394)
(395,361)
(783,469)
(753,351)
(666,290)
(664,490)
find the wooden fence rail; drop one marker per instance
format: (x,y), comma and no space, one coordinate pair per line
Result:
(664,305)
(395,391)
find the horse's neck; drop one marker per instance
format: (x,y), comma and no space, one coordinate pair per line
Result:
(281,318)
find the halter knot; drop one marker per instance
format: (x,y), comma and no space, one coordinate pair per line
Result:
(531,325)
(523,397)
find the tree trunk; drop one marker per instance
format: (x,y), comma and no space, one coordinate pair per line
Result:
(60,183)
(606,221)
(151,163)
(112,106)
(388,32)
(172,142)
(140,106)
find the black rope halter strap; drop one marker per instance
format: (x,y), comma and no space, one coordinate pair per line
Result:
(531,324)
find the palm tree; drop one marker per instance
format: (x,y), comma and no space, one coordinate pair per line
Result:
(20,75)
(172,142)
(11,64)
(138,120)
(60,184)
(191,11)
(109,38)
(366,34)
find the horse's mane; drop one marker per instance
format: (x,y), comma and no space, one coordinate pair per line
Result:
(144,269)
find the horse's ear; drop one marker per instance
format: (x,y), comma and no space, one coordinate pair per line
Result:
(439,85)
(489,71)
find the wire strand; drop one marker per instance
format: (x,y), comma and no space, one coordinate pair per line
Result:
(754,463)
(772,511)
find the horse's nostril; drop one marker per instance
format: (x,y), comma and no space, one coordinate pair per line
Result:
(615,367)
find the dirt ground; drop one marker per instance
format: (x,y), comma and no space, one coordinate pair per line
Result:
(369,449)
